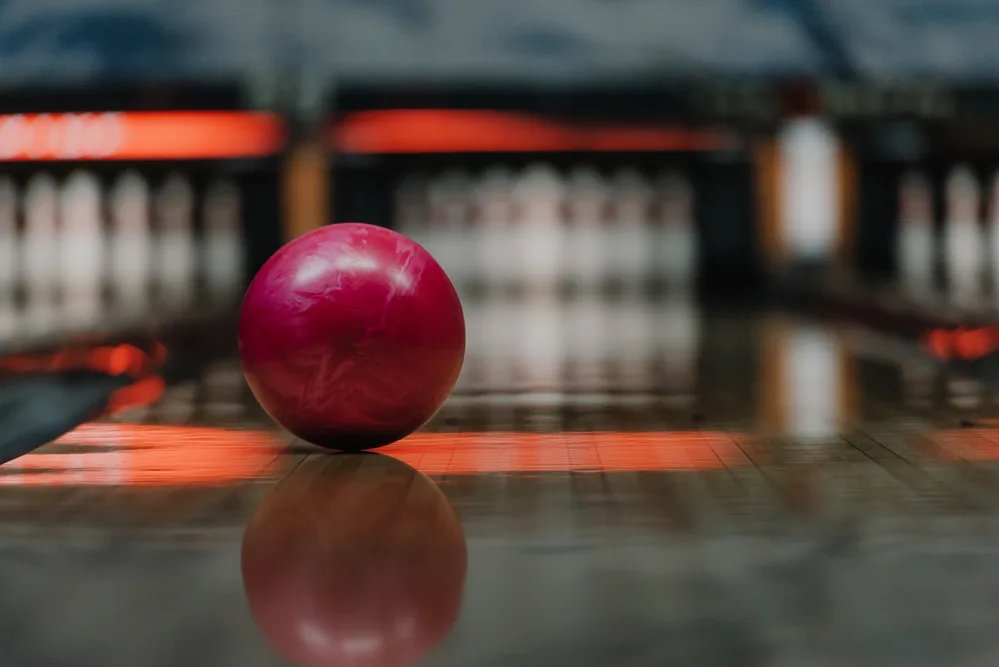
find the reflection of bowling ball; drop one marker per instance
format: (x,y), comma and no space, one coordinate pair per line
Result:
(355,560)
(351,336)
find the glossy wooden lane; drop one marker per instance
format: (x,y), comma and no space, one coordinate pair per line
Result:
(816,500)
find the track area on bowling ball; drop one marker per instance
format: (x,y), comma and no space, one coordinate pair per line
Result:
(697,524)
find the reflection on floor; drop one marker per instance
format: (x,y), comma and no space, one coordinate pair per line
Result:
(755,491)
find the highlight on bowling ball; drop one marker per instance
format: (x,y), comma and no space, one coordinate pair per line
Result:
(354,560)
(351,336)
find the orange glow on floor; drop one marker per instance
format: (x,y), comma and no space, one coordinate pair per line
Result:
(967,444)
(475,453)
(145,455)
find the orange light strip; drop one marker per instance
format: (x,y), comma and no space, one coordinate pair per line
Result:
(452,131)
(148,455)
(140,135)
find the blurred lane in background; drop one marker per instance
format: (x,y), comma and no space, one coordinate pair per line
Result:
(729,271)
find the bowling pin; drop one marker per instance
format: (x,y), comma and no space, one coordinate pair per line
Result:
(131,245)
(450,199)
(539,196)
(8,259)
(677,343)
(40,254)
(675,237)
(470,377)
(587,341)
(994,234)
(481,344)
(916,241)
(488,366)
(541,347)
(631,233)
(177,257)
(411,208)
(964,258)
(437,201)
(587,238)
(82,251)
(809,205)
(496,256)
(497,354)
(635,334)
(224,249)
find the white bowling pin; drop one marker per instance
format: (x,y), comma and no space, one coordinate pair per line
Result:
(588,343)
(541,348)
(809,205)
(588,235)
(632,208)
(963,237)
(675,241)
(678,337)
(9,249)
(411,208)
(916,241)
(496,257)
(224,249)
(176,245)
(40,253)
(540,233)
(634,321)
(498,351)
(994,234)
(131,245)
(82,250)
(470,378)
(450,203)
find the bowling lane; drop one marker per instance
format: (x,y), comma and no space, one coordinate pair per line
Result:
(755,488)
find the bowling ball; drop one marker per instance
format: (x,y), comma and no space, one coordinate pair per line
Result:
(354,560)
(351,336)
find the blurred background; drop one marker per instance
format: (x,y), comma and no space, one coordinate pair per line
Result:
(600,155)
(611,185)
(569,145)
(569,162)
(703,248)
